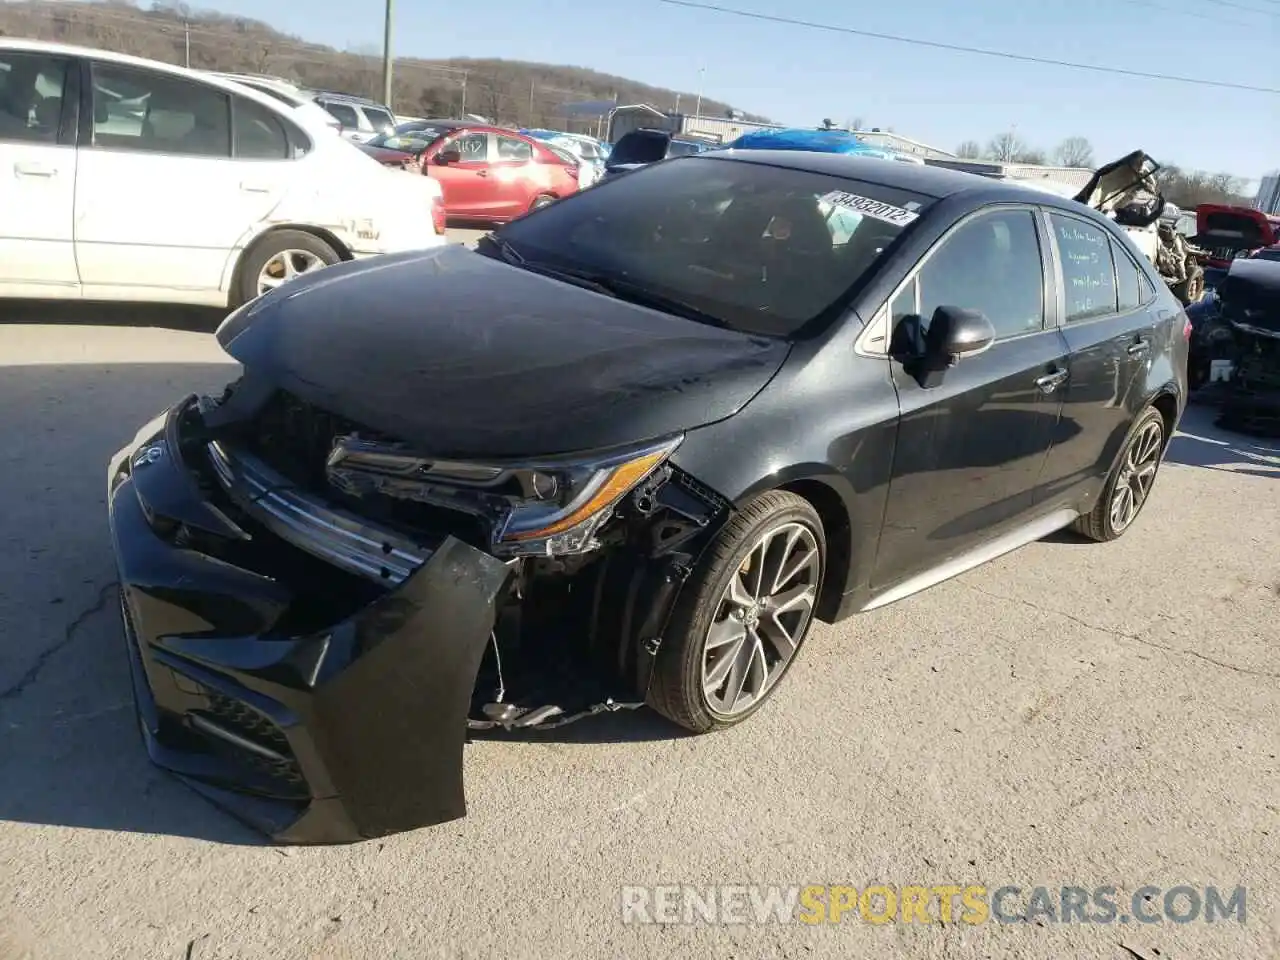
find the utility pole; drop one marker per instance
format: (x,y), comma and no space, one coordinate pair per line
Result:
(463,111)
(702,73)
(532,86)
(386,58)
(186,39)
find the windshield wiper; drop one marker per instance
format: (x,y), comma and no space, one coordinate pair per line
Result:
(514,257)
(503,248)
(638,293)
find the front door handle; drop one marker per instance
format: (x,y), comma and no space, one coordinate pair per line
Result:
(1138,348)
(34,170)
(482,173)
(254,188)
(1052,381)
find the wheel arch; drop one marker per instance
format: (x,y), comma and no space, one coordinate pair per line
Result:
(320,233)
(1167,402)
(827,493)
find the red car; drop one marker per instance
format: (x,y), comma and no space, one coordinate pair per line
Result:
(1230,232)
(487,174)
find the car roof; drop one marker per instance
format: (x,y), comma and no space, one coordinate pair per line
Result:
(929,181)
(214,79)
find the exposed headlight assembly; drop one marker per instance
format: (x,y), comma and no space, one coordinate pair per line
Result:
(551,507)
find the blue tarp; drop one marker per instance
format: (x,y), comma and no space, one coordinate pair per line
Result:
(815,141)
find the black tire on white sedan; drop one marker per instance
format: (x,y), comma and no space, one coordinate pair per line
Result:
(279,257)
(742,616)
(1129,485)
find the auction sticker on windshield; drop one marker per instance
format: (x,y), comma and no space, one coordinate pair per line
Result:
(872,208)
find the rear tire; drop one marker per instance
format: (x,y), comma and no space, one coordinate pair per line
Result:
(540,201)
(772,534)
(1135,471)
(287,249)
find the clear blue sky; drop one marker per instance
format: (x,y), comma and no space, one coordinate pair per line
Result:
(799,75)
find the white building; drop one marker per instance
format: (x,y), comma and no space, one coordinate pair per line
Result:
(1268,199)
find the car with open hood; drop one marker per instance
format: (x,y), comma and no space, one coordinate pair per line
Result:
(639,148)
(626,452)
(1127,191)
(1226,232)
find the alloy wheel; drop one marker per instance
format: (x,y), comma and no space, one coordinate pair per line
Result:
(285,266)
(761,618)
(1137,472)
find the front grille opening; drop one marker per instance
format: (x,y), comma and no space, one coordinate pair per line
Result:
(295,437)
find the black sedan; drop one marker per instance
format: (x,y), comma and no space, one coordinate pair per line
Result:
(625,453)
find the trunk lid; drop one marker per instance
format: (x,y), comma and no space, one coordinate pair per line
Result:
(1126,189)
(1227,231)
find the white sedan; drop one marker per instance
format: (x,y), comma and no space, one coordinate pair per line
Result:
(128,179)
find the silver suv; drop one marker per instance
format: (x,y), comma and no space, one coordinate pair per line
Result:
(361,119)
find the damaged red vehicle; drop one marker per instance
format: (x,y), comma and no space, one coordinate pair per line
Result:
(1227,232)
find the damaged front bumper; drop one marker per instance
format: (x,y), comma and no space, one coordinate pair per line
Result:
(309,729)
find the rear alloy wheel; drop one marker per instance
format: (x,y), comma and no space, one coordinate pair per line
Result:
(280,257)
(540,201)
(1129,485)
(743,615)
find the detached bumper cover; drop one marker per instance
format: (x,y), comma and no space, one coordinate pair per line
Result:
(334,735)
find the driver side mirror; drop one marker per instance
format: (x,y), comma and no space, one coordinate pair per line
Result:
(952,334)
(446,157)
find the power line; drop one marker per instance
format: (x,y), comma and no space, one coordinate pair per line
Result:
(1241,6)
(1211,17)
(957,48)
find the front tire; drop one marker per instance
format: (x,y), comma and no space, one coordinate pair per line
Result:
(743,615)
(279,257)
(1129,485)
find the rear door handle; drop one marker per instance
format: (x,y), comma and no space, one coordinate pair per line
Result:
(254,188)
(482,173)
(1052,381)
(34,170)
(1140,347)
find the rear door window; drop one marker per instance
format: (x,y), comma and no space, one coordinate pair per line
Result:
(515,150)
(1128,287)
(344,114)
(379,119)
(1088,274)
(153,112)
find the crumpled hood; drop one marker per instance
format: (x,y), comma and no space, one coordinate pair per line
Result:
(466,356)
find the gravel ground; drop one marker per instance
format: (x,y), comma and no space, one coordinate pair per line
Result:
(1069,715)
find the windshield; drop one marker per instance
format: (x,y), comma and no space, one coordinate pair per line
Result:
(759,249)
(640,146)
(414,140)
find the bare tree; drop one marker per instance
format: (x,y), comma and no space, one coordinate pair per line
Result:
(969,150)
(1005,147)
(1031,155)
(1074,152)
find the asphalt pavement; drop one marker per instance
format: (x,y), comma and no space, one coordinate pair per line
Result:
(1070,715)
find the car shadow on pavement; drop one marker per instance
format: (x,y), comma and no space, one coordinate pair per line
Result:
(1199,442)
(76,312)
(70,750)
